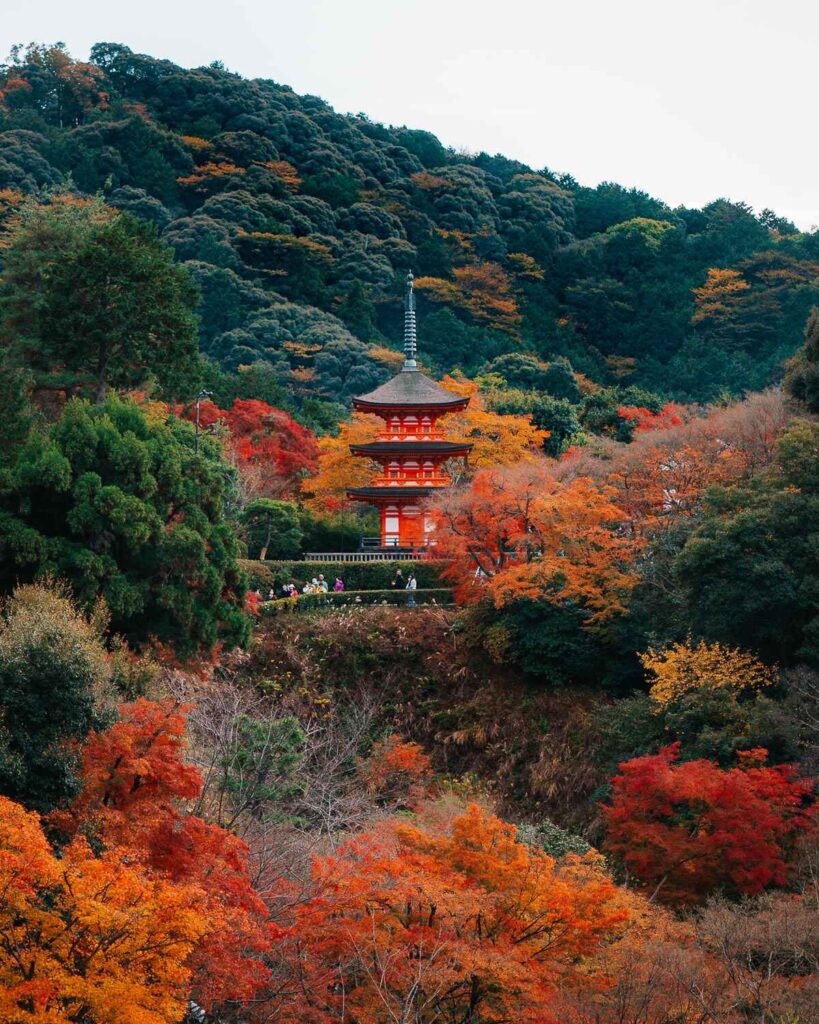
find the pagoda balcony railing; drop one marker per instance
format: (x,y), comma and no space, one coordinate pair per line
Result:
(411,480)
(394,544)
(411,434)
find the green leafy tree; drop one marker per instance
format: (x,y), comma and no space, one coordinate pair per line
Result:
(123,508)
(95,292)
(358,312)
(520,370)
(559,417)
(260,767)
(802,377)
(16,420)
(750,571)
(560,380)
(55,685)
(710,722)
(273,527)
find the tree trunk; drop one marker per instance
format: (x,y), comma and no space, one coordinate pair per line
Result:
(102,383)
(266,545)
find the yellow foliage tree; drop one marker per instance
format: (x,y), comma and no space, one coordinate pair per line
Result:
(497,440)
(718,296)
(687,666)
(483,290)
(338,469)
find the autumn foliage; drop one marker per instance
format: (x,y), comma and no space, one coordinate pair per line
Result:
(690,829)
(146,903)
(397,773)
(684,667)
(521,533)
(661,477)
(671,415)
(445,920)
(271,450)
(90,938)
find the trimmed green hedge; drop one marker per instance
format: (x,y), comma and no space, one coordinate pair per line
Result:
(356,575)
(305,602)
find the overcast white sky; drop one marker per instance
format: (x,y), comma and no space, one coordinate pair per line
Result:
(687,100)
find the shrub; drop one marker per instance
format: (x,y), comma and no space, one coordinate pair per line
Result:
(55,685)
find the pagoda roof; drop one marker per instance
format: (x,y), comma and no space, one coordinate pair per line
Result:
(402,447)
(391,493)
(410,388)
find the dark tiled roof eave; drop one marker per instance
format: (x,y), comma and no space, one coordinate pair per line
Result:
(406,447)
(389,493)
(410,388)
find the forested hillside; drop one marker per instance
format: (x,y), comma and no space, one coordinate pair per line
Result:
(298,223)
(569,779)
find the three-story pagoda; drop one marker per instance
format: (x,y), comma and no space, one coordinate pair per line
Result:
(411,447)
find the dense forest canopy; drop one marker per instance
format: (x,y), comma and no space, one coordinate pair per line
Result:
(568,779)
(297,222)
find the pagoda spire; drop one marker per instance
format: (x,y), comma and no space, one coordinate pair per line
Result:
(410,340)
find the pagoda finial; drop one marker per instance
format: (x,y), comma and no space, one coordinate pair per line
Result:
(410,340)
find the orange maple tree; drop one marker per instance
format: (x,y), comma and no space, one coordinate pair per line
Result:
(521,533)
(135,786)
(444,920)
(692,828)
(397,773)
(286,171)
(90,938)
(209,177)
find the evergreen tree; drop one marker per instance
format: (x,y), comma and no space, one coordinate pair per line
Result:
(121,506)
(558,417)
(273,528)
(802,377)
(96,293)
(358,313)
(15,422)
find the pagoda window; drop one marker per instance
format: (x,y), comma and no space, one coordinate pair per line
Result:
(429,470)
(393,470)
(411,424)
(395,424)
(426,424)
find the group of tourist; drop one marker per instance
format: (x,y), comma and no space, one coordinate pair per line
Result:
(317,585)
(410,585)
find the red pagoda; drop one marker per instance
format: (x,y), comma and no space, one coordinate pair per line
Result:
(411,447)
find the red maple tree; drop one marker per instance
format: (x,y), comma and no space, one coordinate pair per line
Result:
(692,828)
(671,415)
(271,450)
